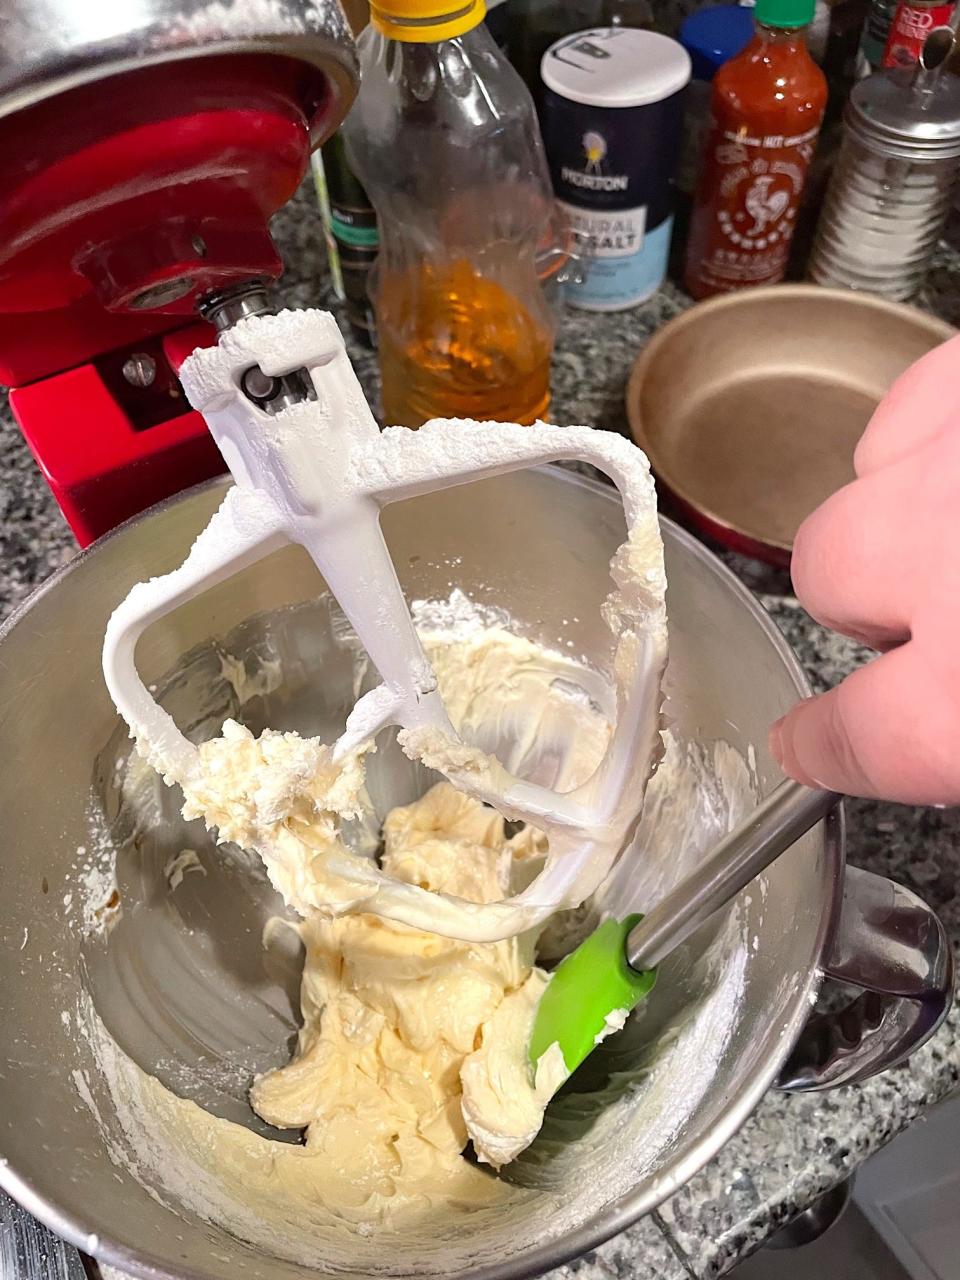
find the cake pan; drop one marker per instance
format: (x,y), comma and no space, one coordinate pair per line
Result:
(749,406)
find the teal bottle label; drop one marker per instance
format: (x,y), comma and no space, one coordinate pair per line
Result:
(326,217)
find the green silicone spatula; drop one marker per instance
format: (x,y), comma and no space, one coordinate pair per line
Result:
(595,987)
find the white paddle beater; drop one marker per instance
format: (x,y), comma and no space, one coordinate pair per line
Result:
(311,466)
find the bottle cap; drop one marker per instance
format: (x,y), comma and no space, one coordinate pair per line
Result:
(894,117)
(785,13)
(425,21)
(615,67)
(713,36)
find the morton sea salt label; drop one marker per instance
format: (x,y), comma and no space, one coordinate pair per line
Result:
(612,128)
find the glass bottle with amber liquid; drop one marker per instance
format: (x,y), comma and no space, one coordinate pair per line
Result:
(445,140)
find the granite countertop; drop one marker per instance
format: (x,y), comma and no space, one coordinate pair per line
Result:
(794,1147)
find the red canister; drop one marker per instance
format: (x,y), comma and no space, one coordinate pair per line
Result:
(912,23)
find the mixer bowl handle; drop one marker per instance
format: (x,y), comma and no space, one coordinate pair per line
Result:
(243,530)
(891,945)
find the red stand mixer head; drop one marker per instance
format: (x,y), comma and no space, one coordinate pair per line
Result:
(139,170)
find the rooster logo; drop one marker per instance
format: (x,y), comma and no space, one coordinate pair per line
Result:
(763,205)
(595,149)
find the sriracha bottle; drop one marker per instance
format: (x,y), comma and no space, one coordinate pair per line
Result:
(766,108)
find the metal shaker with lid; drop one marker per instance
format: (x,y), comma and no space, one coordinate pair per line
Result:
(891,191)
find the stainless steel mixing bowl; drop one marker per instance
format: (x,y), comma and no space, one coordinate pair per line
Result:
(186,988)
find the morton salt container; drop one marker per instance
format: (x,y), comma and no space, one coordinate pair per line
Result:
(612,119)
(890,193)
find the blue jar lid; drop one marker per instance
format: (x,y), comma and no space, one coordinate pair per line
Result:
(713,36)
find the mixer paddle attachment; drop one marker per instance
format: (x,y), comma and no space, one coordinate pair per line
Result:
(317,471)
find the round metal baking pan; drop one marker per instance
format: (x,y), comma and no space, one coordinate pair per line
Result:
(750,405)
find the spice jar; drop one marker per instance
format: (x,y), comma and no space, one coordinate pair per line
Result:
(912,24)
(891,191)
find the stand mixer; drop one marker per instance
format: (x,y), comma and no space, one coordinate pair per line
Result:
(144,157)
(145,148)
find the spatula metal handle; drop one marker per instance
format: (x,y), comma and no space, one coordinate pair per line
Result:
(778,822)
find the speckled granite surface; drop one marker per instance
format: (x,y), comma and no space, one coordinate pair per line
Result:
(793,1148)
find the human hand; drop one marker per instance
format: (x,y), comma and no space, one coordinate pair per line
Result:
(880,561)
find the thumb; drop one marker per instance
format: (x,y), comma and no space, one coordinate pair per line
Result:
(812,743)
(891,730)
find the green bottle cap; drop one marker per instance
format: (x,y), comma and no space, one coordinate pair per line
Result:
(784,13)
